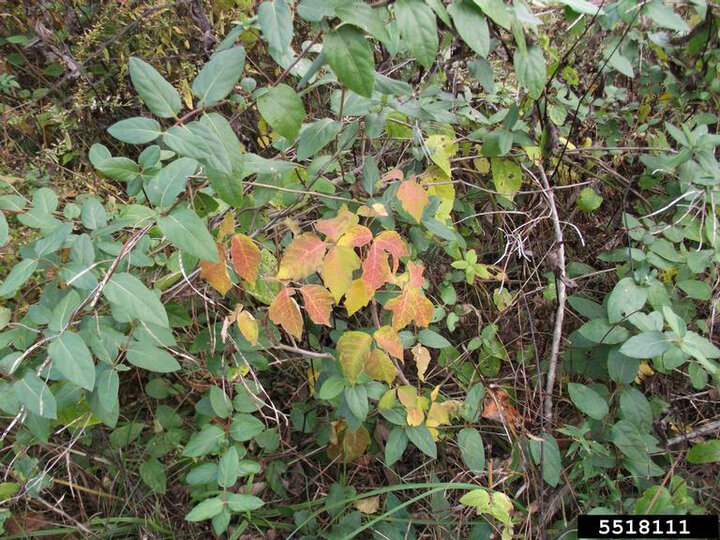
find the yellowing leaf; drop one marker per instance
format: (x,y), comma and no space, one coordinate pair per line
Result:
(285,311)
(227,226)
(507,176)
(338,268)
(391,242)
(440,185)
(376,270)
(410,306)
(318,303)
(356,236)
(248,327)
(415,416)
(216,273)
(357,296)
(246,257)
(438,415)
(353,353)
(389,341)
(413,198)
(387,401)
(380,367)
(351,444)
(422,359)
(441,148)
(368,505)
(302,257)
(336,227)
(408,396)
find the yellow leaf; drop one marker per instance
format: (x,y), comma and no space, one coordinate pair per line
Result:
(285,311)
(389,341)
(227,226)
(353,353)
(303,256)
(357,296)
(248,327)
(415,417)
(337,270)
(246,257)
(216,273)
(440,185)
(368,505)
(387,401)
(380,367)
(318,303)
(422,358)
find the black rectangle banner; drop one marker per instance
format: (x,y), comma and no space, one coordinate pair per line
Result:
(658,526)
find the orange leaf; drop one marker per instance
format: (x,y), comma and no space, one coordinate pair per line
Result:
(391,242)
(302,257)
(248,327)
(318,303)
(338,268)
(496,406)
(422,358)
(376,270)
(413,198)
(389,341)
(356,236)
(285,311)
(216,273)
(334,228)
(357,296)
(380,367)
(245,257)
(393,174)
(415,271)
(410,305)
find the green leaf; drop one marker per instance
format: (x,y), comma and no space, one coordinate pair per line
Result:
(315,136)
(121,169)
(507,176)
(73,359)
(357,401)
(551,462)
(152,472)
(147,356)
(187,232)
(332,387)
(697,290)
(421,437)
(646,345)
(32,392)
(283,109)
(432,339)
(418,29)
(220,402)
(707,452)
(205,473)
(4,230)
(243,503)
(635,408)
(366,17)
(158,95)
(228,468)
(582,6)
(17,277)
(497,11)
(472,449)
(530,70)
(621,368)
(108,384)
(138,130)
(471,25)
(626,298)
(621,64)
(665,16)
(600,331)
(126,434)
(164,188)
(218,77)
(207,440)
(351,58)
(589,200)
(588,401)
(198,141)
(395,445)
(245,426)
(206,509)
(276,24)
(127,292)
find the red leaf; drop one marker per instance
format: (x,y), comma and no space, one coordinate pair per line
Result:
(334,228)
(285,311)
(410,306)
(245,257)
(376,270)
(391,242)
(318,303)
(302,257)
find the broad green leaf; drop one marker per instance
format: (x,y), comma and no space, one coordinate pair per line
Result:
(138,130)
(158,95)
(589,200)
(187,232)
(665,16)
(205,473)
(228,468)
(220,402)
(395,445)
(332,387)
(507,176)
(626,298)
(432,339)
(621,64)
(472,449)
(697,290)
(353,352)
(707,452)
(152,472)
(635,408)
(357,401)
(238,502)
(315,136)
(218,77)
(108,384)
(588,401)
(121,169)
(126,434)
(551,459)
(497,11)
(276,24)
(245,426)
(205,441)
(391,87)
(646,345)
(351,58)
(196,140)
(73,359)
(582,6)
(621,368)
(17,277)
(32,392)
(421,437)
(470,23)
(600,331)
(147,356)
(364,16)
(530,70)
(206,509)
(128,292)
(418,30)
(93,214)
(283,109)
(164,188)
